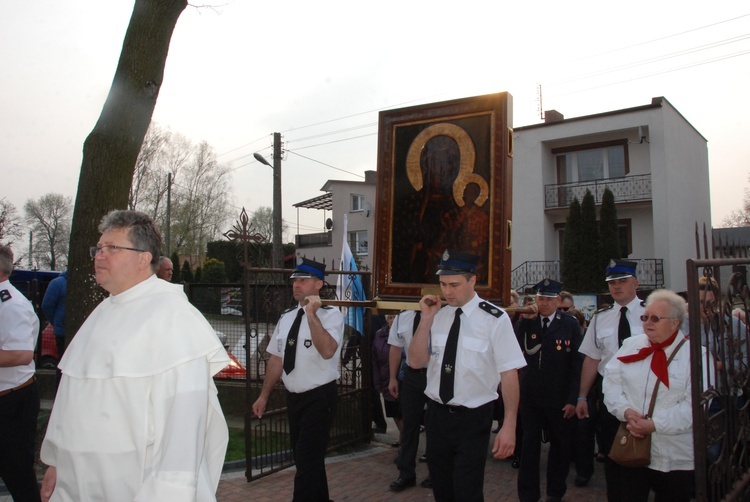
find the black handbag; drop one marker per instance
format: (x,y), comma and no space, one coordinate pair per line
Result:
(628,450)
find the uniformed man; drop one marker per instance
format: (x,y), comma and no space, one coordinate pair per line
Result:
(304,350)
(549,383)
(469,348)
(410,392)
(19,394)
(604,336)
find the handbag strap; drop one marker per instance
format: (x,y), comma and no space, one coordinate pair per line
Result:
(656,385)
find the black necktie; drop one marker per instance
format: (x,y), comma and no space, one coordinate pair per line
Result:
(545,323)
(290,351)
(448,375)
(415,324)
(623,330)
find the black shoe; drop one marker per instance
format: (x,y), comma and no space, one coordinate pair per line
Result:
(516,462)
(423,458)
(427,483)
(402,484)
(581,481)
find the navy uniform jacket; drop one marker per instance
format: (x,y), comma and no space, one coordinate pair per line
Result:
(553,371)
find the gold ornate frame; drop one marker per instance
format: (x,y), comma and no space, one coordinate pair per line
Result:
(444,181)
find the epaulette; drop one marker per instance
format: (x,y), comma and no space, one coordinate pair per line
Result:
(643,303)
(491,309)
(604,309)
(5,295)
(326,307)
(289,310)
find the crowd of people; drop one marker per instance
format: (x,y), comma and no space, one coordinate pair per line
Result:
(143,375)
(547,375)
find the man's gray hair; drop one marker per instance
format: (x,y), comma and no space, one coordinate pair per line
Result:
(144,233)
(6,260)
(677,307)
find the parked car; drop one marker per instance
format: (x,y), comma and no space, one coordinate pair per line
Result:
(46,356)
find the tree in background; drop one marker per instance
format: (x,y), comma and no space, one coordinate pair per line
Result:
(740,217)
(261,222)
(111,149)
(49,217)
(200,212)
(213,272)
(591,277)
(570,267)
(609,234)
(176,276)
(186,272)
(9,222)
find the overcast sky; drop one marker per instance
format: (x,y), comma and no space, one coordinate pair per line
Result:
(319,73)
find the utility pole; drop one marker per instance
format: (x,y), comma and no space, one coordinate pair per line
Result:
(276,258)
(169,215)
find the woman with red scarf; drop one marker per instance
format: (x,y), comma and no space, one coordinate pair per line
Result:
(628,385)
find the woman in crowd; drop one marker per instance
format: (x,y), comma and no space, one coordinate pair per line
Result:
(628,385)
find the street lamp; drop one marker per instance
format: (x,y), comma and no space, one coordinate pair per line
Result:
(276,242)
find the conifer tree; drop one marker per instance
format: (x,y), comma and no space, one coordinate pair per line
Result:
(591,277)
(609,235)
(570,270)
(186,273)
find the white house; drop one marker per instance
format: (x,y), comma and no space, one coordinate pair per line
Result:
(356,199)
(652,159)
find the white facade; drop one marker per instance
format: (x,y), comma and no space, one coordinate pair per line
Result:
(662,195)
(356,200)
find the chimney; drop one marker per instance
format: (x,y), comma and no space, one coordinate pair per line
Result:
(553,116)
(371,177)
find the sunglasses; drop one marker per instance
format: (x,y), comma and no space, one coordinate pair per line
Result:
(653,318)
(564,309)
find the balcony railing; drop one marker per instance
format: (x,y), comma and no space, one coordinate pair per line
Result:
(314,240)
(650,272)
(626,189)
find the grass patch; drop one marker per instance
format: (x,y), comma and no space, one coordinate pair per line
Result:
(270,442)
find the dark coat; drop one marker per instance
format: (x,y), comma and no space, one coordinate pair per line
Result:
(552,375)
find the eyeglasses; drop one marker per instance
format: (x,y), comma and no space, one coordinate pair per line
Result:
(564,309)
(110,249)
(653,318)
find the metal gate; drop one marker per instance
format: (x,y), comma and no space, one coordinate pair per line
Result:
(721,380)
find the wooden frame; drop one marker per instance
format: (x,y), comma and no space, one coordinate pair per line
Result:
(444,181)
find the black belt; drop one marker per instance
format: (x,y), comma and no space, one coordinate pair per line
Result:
(422,371)
(25,384)
(451,408)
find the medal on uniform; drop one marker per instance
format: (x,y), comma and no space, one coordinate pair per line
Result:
(533,336)
(559,342)
(567,345)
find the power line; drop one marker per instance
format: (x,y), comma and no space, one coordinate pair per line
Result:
(327,165)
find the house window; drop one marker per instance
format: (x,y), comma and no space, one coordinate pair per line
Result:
(358,202)
(358,242)
(590,162)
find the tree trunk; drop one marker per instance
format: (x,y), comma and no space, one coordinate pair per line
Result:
(111,149)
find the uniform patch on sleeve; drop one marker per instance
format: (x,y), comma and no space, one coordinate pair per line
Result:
(491,309)
(5,295)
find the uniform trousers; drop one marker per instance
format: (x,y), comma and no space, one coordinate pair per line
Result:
(311,415)
(457,442)
(673,486)
(535,418)
(18,415)
(412,398)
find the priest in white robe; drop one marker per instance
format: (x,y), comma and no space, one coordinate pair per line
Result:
(136,416)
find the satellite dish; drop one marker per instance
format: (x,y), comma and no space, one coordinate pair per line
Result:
(368,209)
(329,224)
